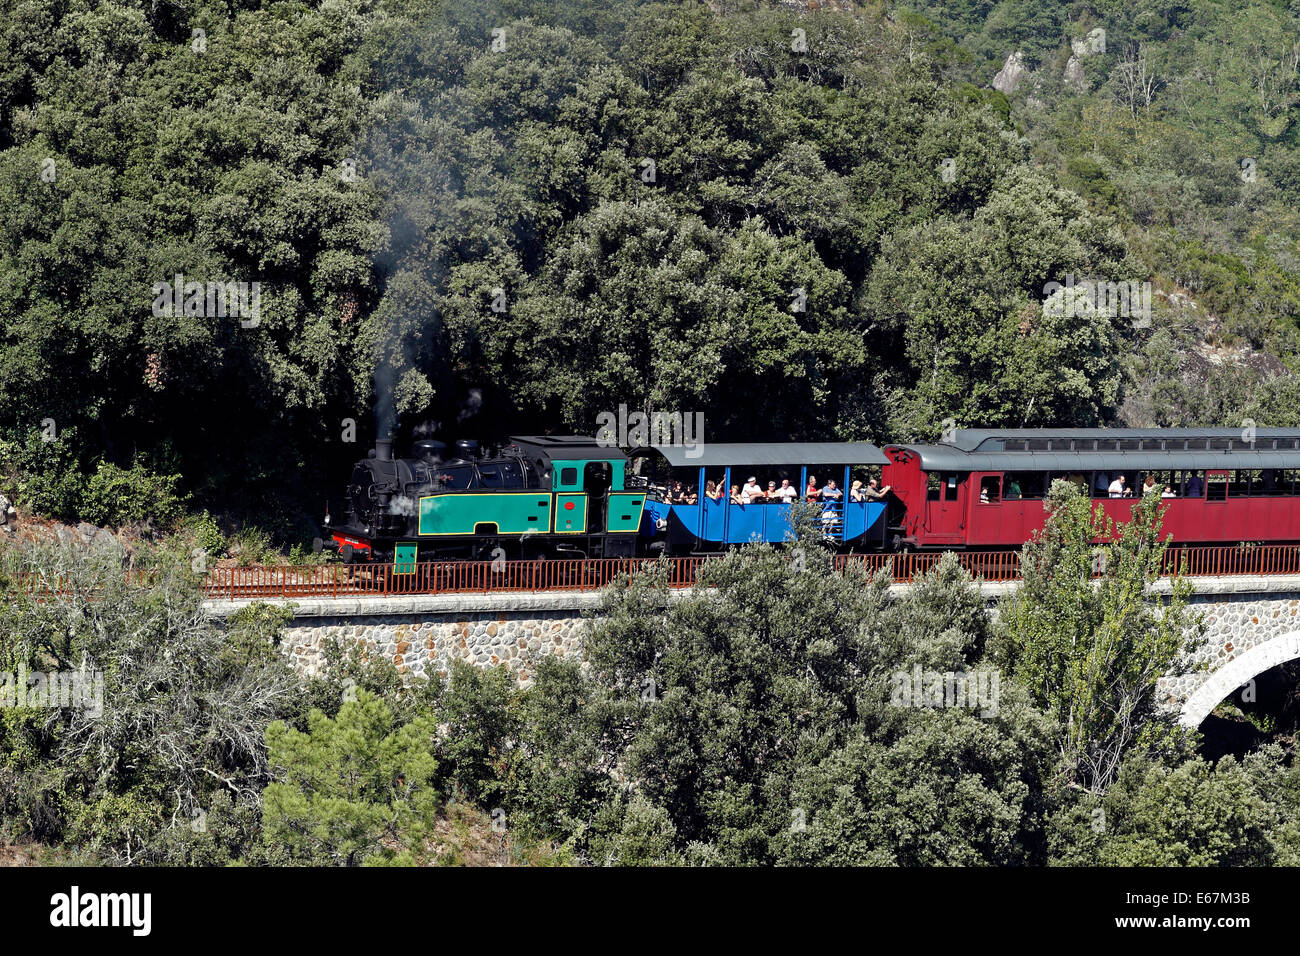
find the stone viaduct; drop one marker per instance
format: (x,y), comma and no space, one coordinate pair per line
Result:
(1251,625)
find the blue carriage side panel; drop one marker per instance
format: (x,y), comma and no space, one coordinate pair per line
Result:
(740,524)
(745,523)
(715,515)
(683,523)
(863,519)
(776,523)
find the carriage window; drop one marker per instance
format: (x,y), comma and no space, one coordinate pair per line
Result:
(941,484)
(1155,483)
(1193,484)
(1022,484)
(568,477)
(1239,483)
(1268,482)
(990,489)
(1216,486)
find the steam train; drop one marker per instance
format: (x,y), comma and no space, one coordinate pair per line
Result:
(572,496)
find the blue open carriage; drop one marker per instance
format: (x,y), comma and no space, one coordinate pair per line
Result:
(710,525)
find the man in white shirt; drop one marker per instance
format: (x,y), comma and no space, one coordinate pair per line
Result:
(785,492)
(1116,489)
(751,489)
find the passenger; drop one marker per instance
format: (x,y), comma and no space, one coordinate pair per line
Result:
(770,494)
(785,493)
(1118,488)
(812,493)
(678,496)
(1013,490)
(1101,484)
(692,496)
(751,492)
(984,494)
(1149,485)
(735,495)
(832,491)
(1168,493)
(713,490)
(855,492)
(1195,487)
(873,492)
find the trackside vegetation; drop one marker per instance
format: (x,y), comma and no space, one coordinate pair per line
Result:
(756,719)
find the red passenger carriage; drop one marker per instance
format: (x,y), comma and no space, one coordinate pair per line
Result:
(985,487)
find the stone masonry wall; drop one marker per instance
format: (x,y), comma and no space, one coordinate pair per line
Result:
(427,644)
(1235,624)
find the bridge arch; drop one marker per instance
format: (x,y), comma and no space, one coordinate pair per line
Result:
(1244,667)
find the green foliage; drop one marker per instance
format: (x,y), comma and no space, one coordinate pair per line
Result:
(174,730)
(44,475)
(727,717)
(524,169)
(207,536)
(1195,814)
(117,496)
(251,545)
(353,790)
(1090,651)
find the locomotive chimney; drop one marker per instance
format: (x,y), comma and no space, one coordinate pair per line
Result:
(384,449)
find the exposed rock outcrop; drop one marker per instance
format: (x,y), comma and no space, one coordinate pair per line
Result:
(1074,77)
(1012,72)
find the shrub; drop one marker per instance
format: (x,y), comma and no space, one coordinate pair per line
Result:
(251,546)
(117,496)
(207,535)
(46,476)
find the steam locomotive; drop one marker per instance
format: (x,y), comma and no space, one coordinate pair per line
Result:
(541,496)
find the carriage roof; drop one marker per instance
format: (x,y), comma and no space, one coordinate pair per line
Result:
(1111,449)
(723,454)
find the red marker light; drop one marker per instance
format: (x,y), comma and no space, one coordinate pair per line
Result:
(568,506)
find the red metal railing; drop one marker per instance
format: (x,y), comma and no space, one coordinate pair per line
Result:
(439,577)
(465,577)
(592,574)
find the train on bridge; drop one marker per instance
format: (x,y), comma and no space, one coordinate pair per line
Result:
(576,497)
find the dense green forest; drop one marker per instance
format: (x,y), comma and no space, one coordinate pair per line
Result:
(500,217)
(477,219)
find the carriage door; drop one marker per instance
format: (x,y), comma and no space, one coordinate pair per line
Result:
(597,477)
(946,506)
